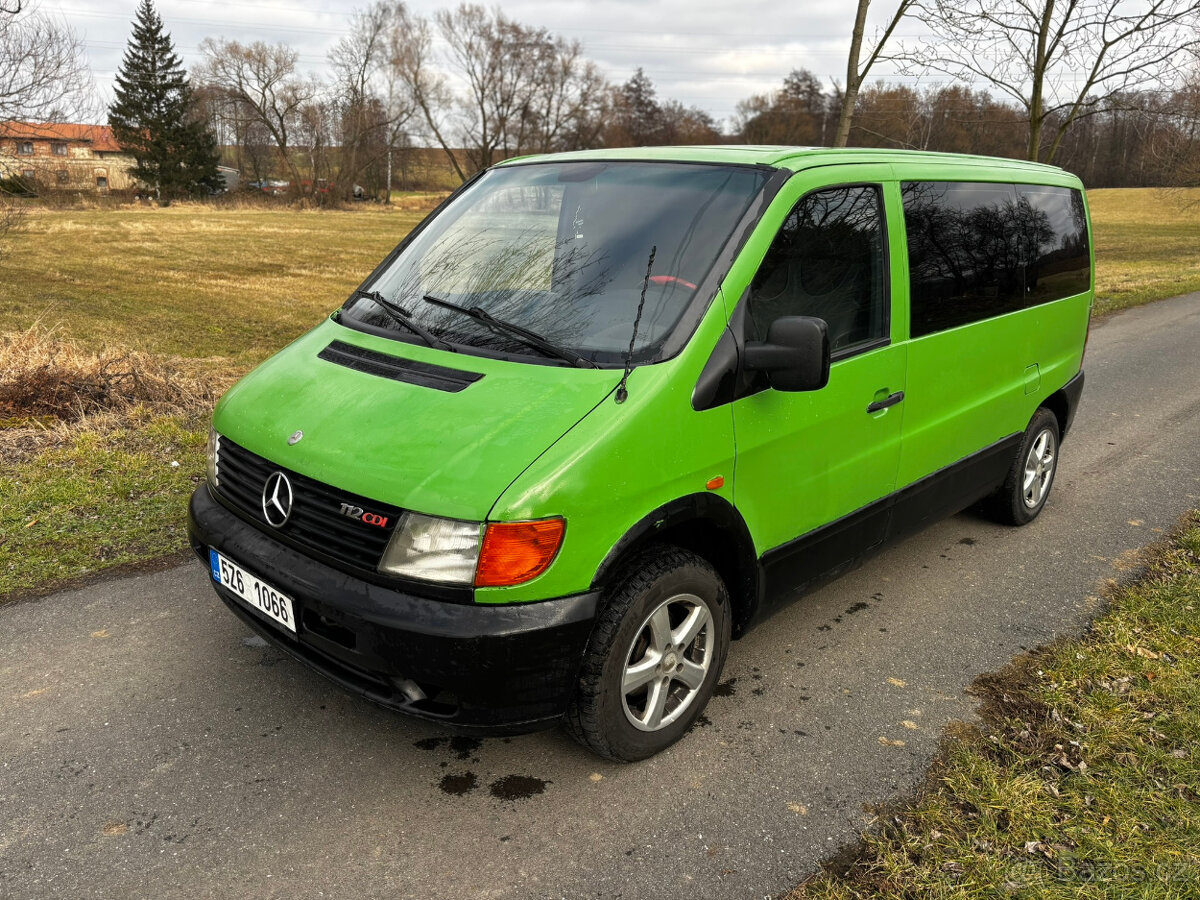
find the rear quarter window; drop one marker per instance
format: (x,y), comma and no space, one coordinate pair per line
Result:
(1059,262)
(978,250)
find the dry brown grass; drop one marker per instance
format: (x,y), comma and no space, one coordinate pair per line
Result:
(51,387)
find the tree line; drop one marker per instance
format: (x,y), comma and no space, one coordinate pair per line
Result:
(1109,89)
(1144,138)
(472,83)
(1105,88)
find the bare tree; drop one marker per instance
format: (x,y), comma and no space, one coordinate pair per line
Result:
(498,60)
(374,105)
(263,79)
(1179,151)
(43,70)
(565,110)
(43,78)
(411,61)
(1060,60)
(856,72)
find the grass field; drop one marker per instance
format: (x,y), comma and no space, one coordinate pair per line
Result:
(235,285)
(215,290)
(212,292)
(229,284)
(1084,780)
(1147,245)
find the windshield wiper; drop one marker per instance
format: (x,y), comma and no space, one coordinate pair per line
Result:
(402,316)
(531,338)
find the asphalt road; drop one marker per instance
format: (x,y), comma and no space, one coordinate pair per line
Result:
(150,748)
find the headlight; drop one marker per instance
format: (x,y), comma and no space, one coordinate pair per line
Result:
(432,549)
(450,551)
(214,451)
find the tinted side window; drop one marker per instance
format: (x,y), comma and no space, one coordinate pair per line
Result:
(965,252)
(1058,263)
(827,261)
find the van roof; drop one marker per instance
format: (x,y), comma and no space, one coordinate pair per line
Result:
(794,158)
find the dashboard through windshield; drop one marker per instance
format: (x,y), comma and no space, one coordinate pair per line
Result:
(561,250)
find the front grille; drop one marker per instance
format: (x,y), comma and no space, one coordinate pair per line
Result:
(316,524)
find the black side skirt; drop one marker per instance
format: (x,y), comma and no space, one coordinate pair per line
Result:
(799,566)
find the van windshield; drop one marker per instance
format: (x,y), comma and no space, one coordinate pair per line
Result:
(562,250)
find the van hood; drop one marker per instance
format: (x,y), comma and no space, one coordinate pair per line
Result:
(439,447)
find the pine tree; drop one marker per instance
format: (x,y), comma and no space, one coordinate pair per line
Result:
(153,119)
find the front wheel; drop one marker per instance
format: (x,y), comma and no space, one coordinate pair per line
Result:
(1024,492)
(655,656)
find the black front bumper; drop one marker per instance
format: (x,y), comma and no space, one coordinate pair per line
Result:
(487,668)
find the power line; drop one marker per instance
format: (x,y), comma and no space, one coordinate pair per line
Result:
(342,32)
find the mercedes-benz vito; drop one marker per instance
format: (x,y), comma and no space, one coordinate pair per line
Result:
(600,412)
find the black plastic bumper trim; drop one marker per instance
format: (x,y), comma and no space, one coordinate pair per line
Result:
(1072,390)
(507,668)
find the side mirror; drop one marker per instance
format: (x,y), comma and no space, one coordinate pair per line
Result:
(795,355)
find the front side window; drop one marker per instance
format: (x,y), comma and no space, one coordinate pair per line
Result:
(58,149)
(827,262)
(25,148)
(562,249)
(62,176)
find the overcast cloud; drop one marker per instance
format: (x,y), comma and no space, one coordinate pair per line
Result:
(705,54)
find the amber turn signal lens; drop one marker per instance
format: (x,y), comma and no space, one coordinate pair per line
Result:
(515,552)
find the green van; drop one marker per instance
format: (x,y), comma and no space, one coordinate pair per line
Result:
(603,411)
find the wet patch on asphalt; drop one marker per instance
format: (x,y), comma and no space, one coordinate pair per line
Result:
(463,748)
(725,688)
(458,785)
(516,787)
(852,609)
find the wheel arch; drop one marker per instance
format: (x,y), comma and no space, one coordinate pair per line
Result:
(1064,402)
(707,525)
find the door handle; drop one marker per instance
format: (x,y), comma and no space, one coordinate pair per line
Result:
(891,400)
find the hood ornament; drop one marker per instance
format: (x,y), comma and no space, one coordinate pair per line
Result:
(295,438)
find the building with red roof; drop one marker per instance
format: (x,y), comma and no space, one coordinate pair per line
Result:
(64,156)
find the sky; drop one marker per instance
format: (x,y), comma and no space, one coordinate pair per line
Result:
(702,53)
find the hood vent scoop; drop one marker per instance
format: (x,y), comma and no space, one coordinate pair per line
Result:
(439,378)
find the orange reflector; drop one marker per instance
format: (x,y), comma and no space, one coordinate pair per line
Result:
(514,552)
(714,484)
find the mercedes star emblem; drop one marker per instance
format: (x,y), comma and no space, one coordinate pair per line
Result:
(295,438)
(277,499)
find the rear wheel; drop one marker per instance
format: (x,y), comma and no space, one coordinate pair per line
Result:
(655,656)
(1024,492)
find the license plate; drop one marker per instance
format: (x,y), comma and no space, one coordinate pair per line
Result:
(254,591)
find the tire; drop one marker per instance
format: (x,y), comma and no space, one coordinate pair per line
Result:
(665,626)
(1025,489)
